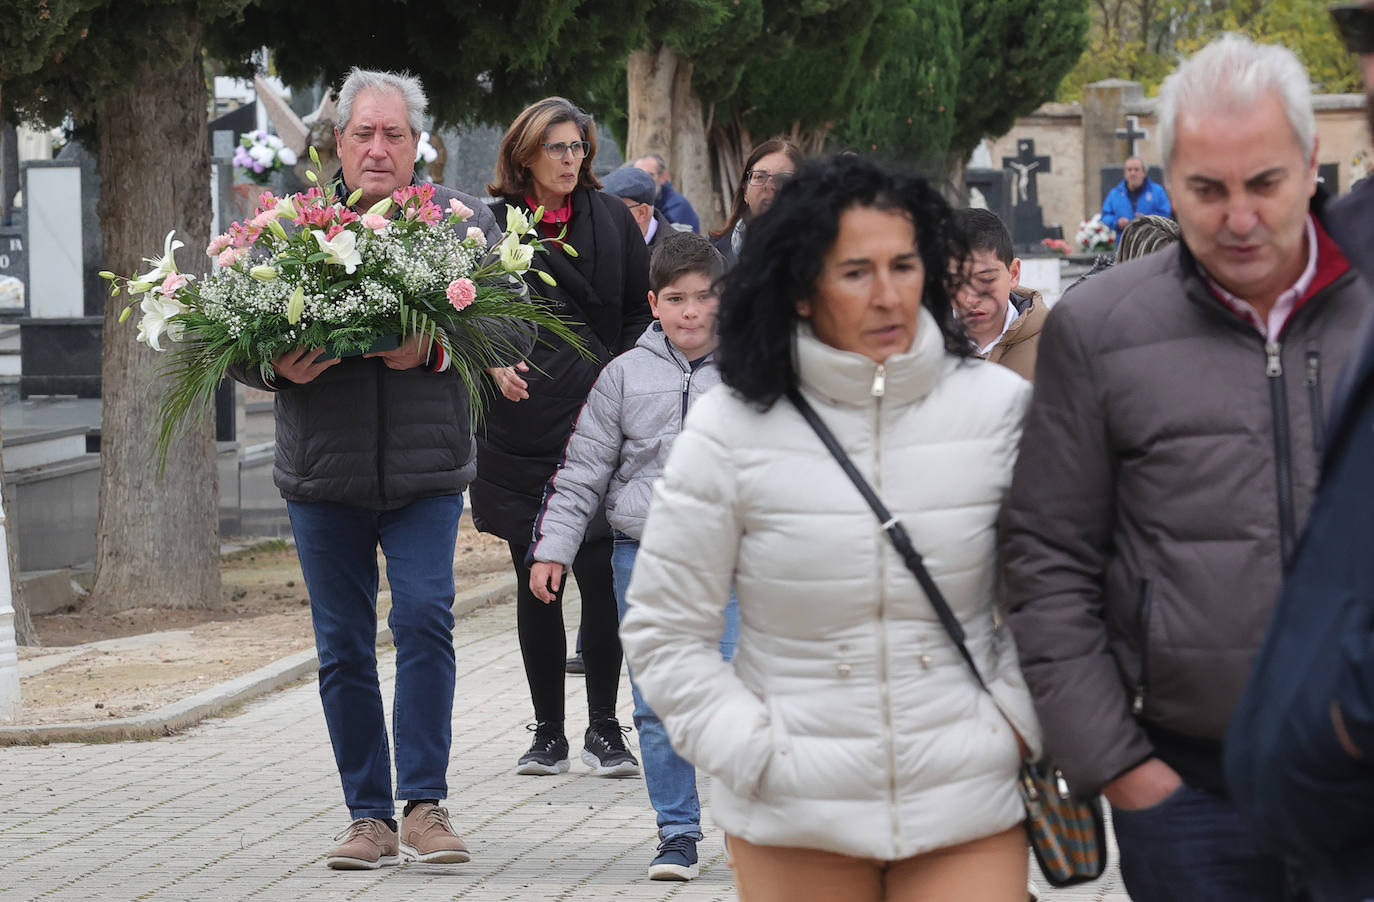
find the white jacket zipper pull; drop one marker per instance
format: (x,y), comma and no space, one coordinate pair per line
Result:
(1275,362)
(879,381)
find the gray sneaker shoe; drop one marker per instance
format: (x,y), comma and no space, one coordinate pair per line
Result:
(427,835)
(366,844)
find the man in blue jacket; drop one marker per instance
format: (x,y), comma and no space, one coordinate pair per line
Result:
(1135,195)
(1300,752)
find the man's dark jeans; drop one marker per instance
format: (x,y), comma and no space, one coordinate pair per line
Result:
(337,546)
(1194,846)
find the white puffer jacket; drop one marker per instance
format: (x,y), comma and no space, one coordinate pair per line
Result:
(847,721)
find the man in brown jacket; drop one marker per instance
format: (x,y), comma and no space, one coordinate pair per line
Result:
(1002,319)
(1168,462)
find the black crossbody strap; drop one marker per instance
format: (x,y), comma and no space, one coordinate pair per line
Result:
(896,533)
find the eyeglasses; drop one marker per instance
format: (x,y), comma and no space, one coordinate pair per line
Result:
(759,177)
(1355,22)
(559,149)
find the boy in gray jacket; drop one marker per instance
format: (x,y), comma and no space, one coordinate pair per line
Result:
(616,452)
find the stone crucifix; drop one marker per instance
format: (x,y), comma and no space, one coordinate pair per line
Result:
(1026,165)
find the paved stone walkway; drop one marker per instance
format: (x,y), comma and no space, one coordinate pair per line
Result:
(244,807)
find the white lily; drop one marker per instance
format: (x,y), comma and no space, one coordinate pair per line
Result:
(163,266)
(158,309)
(516,221)
(515,257)
(285,208)
(341,248)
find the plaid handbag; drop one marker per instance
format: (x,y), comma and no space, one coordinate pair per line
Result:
(1066,834)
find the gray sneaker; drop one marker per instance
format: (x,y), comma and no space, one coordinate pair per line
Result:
(366,844)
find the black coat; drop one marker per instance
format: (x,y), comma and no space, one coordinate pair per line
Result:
(604,289)
(1287,772)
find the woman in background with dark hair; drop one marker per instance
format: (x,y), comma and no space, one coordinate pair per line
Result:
(767,168)
(855,756)
(545,159)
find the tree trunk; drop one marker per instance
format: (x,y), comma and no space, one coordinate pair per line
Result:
(665,117)
(24,632)
(953,186)
(730,147)
(158,538)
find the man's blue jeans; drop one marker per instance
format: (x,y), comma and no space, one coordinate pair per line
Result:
(1195,846)
(337,546)
(671,781)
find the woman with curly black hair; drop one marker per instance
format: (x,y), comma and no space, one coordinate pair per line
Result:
(855,754)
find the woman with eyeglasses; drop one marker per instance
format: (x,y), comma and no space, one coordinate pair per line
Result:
(545,160)
(768,166)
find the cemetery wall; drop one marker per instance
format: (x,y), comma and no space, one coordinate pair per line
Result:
(1081,139)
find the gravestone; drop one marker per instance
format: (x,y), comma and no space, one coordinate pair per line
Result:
(60,336)
(1028,227)
(1132,133)
(13,271)
(989,189)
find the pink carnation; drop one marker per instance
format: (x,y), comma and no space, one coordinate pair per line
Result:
(478,236)
(461,293)
(262,219)
(459,209)
(172,284)
(230,256)
(217,244)
(374,222)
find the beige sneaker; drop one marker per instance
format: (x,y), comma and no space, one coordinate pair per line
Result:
(427,835)
(366,844)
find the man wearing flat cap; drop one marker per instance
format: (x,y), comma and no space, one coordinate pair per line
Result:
(636,188)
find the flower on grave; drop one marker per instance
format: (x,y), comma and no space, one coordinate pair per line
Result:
(1058,245)
(259,154)
(308,271)
(425,153)
(1095,236)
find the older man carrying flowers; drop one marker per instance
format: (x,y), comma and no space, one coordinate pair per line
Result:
(377,450)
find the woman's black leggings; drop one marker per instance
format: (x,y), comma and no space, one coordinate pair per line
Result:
(543,642)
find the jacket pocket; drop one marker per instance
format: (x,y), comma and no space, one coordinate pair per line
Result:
(1142,683)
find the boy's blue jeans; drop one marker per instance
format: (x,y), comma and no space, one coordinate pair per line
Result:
(672,781)
(337,545)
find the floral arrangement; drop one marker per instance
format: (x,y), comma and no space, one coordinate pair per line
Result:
(343,281)
(1095,236)
(1057,245)
(260,154)
(424,155)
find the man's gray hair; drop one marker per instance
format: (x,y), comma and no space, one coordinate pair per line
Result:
(1232,73)
(661,163)
(403,83)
